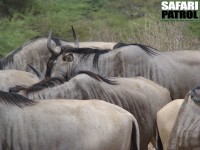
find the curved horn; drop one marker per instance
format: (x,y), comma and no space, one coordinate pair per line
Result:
(49,44)
(38,73)
(76,42)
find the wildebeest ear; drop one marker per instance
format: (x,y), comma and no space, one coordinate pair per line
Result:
(68,57)
(51,50)
(76,42)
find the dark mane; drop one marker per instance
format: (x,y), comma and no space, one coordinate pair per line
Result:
(52,82)
(147,49)
(46,83)
(9,58)
(13,99)
(86,52)
(92,75)
(195,95)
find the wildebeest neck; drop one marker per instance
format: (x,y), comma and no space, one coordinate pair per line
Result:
(148,49)
(52,82)
(25,52)
(46,83)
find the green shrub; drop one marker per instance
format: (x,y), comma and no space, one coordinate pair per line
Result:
(101,20)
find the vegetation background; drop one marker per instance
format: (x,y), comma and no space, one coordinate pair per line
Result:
(130,21)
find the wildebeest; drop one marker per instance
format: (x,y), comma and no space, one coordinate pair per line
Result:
(178,71)
(77,44)
(141,97)
(36,53)
(166,118)
(10,78)
(59,124)
(178,123)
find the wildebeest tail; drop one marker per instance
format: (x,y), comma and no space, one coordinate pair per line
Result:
(159,145)
(135,136)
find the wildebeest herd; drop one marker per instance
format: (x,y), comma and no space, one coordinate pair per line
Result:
(76,95)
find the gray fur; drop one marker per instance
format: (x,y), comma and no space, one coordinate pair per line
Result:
(178,71)
(11,78)
(34,52)
(185,133)
(139,96)
(61,124)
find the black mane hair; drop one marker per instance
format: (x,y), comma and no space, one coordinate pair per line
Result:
(147,49)
(52,82)
(86,52)
(13,99)
(9,58)
(46,83)
(92,75)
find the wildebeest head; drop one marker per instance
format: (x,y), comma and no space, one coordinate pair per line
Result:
(67,56)
(71,59)
(56,52)
(195,95)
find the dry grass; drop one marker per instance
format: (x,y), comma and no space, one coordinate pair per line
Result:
(104,33)
(167,36)
(164,36)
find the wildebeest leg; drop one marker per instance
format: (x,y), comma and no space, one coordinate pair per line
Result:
(159,145)
(153,141)
(145,148)
(4,145)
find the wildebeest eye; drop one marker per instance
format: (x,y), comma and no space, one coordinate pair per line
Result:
(68,57)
